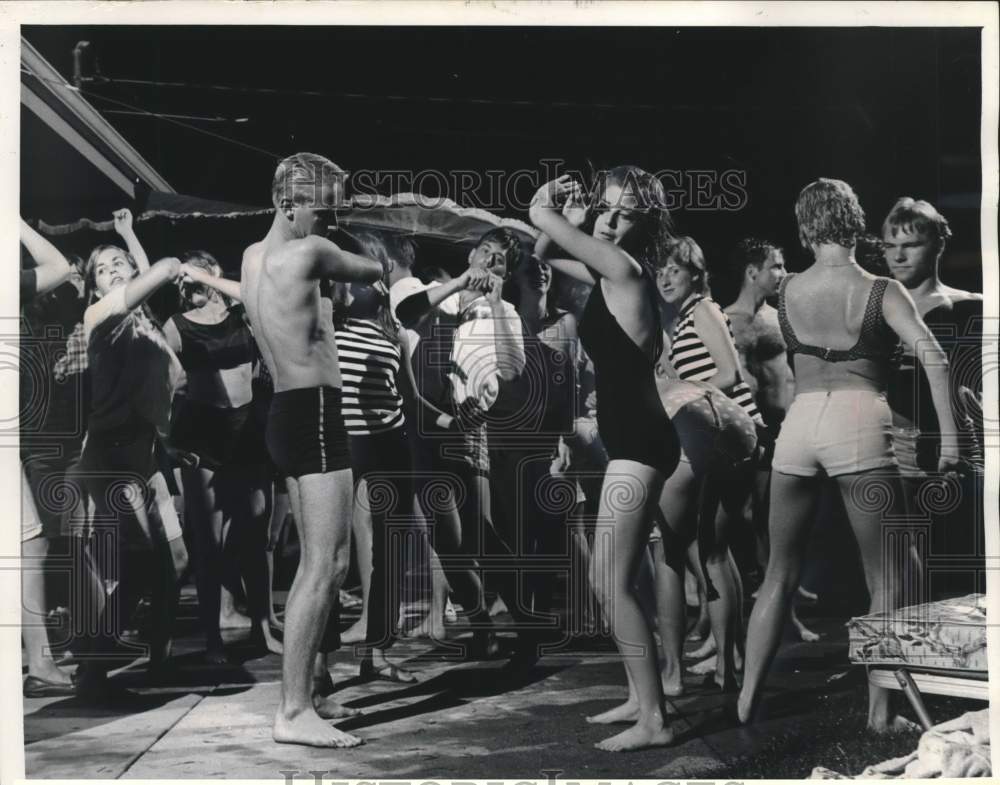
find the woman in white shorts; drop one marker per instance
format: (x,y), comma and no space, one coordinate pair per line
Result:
(842,327)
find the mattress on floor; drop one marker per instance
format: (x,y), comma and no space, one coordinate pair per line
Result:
(949,634)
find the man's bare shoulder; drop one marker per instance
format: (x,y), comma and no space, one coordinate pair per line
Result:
(961,296)
(767,315)
(739,319)
(291,259)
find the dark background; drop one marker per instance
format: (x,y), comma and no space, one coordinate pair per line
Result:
(891,111)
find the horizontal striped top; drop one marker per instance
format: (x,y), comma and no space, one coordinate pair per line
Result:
(692,360)
(369,363)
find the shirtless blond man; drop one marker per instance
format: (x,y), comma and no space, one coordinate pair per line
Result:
(281,289)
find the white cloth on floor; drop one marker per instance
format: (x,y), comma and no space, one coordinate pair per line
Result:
(956,748)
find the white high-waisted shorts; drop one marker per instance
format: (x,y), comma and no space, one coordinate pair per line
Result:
(835,432)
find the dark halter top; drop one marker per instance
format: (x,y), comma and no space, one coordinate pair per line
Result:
(877,340)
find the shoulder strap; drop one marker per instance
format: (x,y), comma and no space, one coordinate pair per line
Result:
(791,339)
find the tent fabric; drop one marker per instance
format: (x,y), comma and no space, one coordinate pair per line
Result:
(411,214)
(171,206)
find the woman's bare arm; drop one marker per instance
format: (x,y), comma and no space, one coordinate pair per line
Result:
(711,327)
(603,258)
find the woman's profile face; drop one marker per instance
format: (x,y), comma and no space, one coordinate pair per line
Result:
(111,270)
(617,215)
(674,283)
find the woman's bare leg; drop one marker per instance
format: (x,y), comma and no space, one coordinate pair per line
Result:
(793,508)
(676,505)
(628,499)
(361,528)
(882,559)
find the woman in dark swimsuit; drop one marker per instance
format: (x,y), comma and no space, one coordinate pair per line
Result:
(621,332)
(227,489)
(839,424)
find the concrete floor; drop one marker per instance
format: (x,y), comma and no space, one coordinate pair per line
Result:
(463,720)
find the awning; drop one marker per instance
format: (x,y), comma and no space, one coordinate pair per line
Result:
(73,162)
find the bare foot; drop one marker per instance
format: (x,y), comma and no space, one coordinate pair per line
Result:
(640,736)
(450,614)
(805,594)
(356,632)
(329,709)
(745,708)
(670,680)
(897,724)
(262,637)
(310,729)
(348,600)
(273,621)
(234,621)
(498,607)
(429,628)
(707,648)
(627,712)
(807,635)
(703,667)
(804,632)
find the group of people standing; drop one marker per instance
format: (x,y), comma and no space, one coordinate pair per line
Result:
(445,424)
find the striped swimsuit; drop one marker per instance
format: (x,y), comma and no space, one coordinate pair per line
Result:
(693,362)
(369,362)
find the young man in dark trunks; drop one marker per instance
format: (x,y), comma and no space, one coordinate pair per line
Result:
(292,323)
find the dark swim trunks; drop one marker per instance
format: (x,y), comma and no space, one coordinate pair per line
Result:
(305,432)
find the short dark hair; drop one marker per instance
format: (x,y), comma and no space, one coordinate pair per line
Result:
(506,239)
(750,252)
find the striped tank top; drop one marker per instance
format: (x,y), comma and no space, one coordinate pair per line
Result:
(692,360)
(369,363)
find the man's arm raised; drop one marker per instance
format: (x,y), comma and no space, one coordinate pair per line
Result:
(327,260)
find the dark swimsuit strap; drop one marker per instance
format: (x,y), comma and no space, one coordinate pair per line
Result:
(867,345)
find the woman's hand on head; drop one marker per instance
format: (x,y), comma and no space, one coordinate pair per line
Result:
(575,208)
(555,193)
